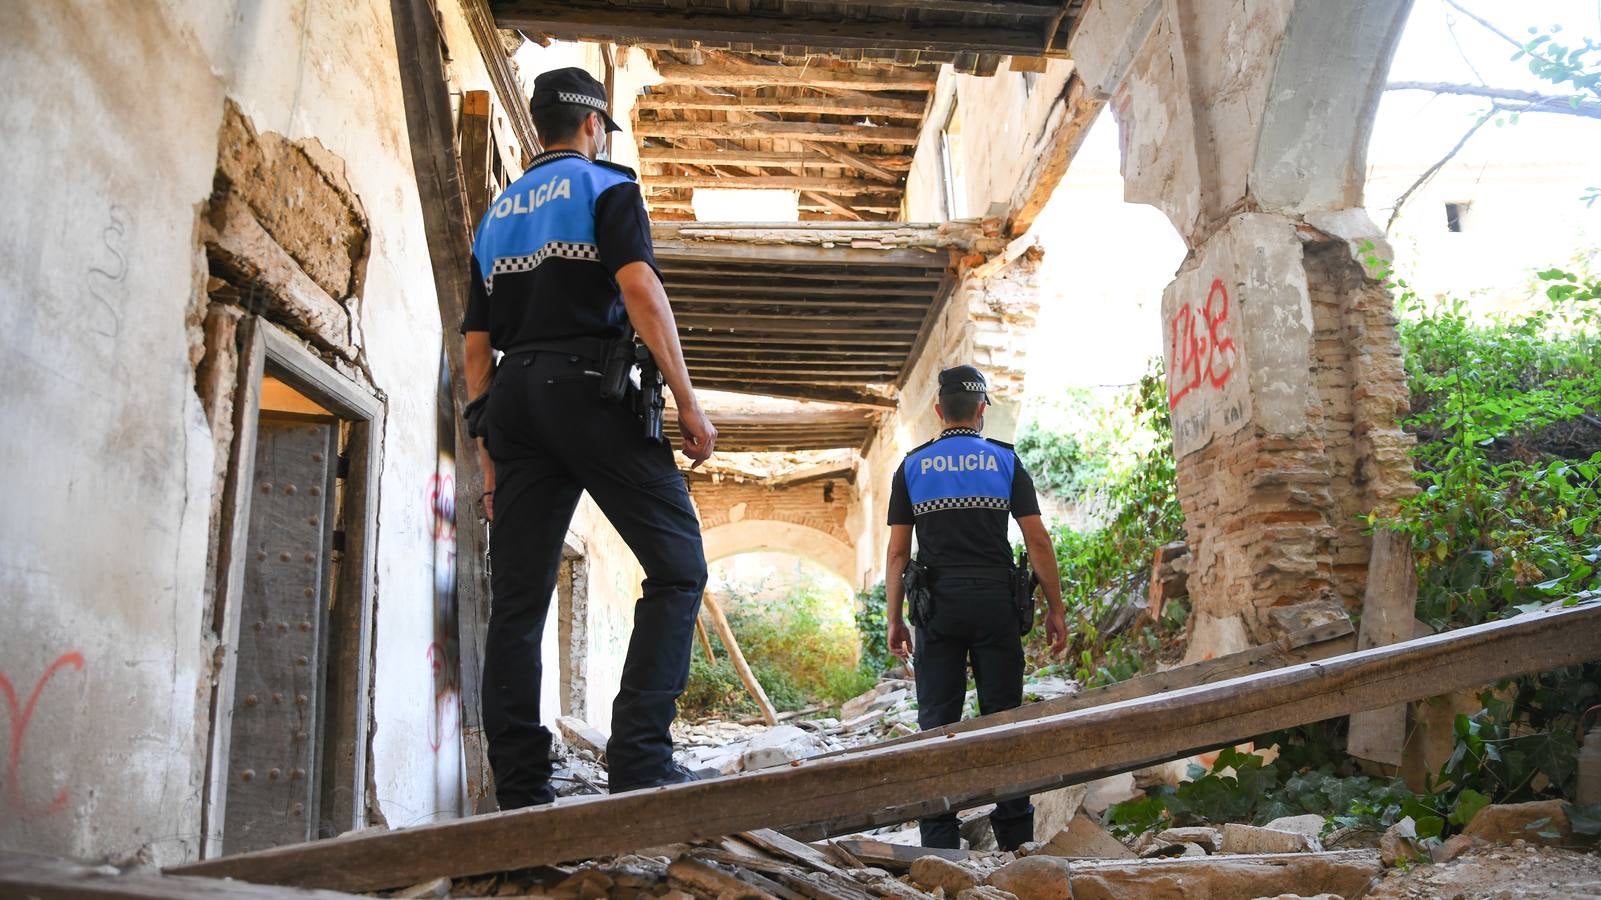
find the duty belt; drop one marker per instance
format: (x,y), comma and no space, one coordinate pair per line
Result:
(592,349)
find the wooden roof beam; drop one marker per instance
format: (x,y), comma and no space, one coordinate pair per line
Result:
(825,132)
(734,156)
(766,182)
(828,106)
(1077,746)
(574,20)
(732,75)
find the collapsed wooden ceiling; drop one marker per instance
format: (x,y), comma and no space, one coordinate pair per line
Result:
(824,98)
(806,311)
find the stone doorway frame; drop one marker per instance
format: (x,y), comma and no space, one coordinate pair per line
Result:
(263,348)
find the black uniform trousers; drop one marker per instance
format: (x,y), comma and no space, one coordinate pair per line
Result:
(551,437)
(973,623)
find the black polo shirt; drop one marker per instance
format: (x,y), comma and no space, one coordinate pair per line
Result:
(957,490)
(548,250)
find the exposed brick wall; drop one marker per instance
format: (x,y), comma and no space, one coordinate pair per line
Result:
(1275,519)
(821,505)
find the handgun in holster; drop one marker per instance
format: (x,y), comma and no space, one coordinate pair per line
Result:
(624,356)
(650,402)
(1023,583)
(919,598)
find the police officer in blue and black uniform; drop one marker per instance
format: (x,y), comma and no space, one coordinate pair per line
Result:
(563,266)
(956,492)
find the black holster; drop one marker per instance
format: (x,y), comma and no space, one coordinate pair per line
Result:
(919,599)
(1023,583)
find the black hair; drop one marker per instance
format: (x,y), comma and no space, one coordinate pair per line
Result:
(960,407)
(559,122)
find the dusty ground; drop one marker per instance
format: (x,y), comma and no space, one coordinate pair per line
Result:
(1496,872)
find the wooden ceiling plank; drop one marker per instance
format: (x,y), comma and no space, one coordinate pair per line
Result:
(797,254)
(735,75)
(574,20)
(889,166)
(807,131)
(766,182)
(825,106)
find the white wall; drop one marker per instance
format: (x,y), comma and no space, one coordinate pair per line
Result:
(111,117)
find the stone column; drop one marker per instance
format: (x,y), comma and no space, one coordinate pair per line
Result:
(1247,125)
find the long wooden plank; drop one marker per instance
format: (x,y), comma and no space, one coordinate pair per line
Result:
(849,186)
(955,768)
(570,20)
(848,294)
(794,131)
(815,76)
(431,127)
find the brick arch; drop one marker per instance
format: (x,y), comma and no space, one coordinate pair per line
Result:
(805,541)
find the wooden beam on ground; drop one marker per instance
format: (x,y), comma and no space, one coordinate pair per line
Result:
(1075,745)
(1388,610)
(726,632)
(1065,130)
(765,159)
(732,75)
(793,131)
(872,105)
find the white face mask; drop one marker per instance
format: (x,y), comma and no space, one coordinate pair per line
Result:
(602,140)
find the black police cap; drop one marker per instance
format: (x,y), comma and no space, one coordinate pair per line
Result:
(572,86)
(962,380)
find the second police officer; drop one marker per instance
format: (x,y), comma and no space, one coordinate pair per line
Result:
(955,493)
(564,265)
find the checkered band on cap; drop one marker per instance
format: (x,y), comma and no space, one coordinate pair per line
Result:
(581,99)
(948,503)
(563,249)
(976,387)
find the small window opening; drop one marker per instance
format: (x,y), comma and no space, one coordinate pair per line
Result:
(952,166)
(1456,216)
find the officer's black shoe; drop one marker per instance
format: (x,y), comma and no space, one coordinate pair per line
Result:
(539,796)
(675,774)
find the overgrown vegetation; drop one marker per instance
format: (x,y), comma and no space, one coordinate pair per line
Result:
(1506,521)
(800,645)
(1105,569)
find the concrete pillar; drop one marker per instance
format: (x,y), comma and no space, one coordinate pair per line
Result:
(1247,124)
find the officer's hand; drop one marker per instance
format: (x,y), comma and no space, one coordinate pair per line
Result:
(900,640)
(700,437)
(1056,630)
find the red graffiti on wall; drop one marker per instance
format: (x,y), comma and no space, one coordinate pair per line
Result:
(1199,359)
(20,717)
(445,702)
(442,503)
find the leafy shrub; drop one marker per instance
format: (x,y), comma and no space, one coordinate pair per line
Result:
(1107,566)
(714,690)
(872,631)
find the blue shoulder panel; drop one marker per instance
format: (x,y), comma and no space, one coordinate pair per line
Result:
(965,472)
(550,211)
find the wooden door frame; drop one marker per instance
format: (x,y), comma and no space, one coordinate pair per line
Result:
(263,347)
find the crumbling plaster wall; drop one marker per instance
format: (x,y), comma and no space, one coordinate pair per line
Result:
(1246,124)
(983,323)
(1003,120)
(103,554)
